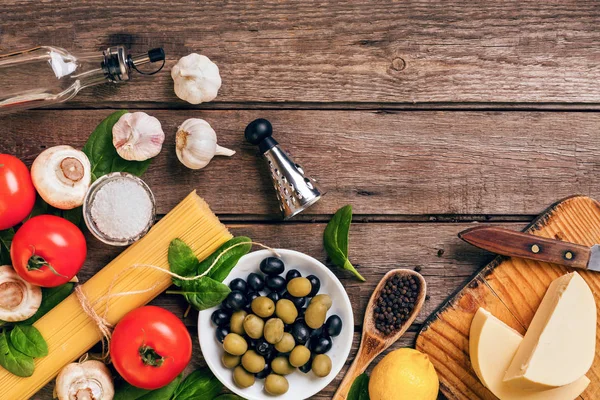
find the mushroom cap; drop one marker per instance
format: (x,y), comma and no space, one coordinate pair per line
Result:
(62,176)
(19,299)
(82,381)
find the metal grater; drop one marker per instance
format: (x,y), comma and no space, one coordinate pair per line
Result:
(295,191)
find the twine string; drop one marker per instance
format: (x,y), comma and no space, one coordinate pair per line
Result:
(101,322)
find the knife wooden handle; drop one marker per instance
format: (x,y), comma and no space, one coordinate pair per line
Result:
(517,244)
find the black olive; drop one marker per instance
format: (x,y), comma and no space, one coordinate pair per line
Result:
(238,284)
(256,282)
(306,367)
(221,333)
(251,296)
(299,302)
(220,317)
(265,372)
(270,356)
(300,332)
(316,285)
(236,300)
(333,325)
(251,343)
(301,312)
(274,296)
(275,283)
(272,266)
(291,274)
(321,345)
(263,347)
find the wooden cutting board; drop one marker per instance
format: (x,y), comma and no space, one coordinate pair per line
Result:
(511,289)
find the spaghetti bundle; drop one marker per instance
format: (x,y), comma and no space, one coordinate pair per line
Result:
(68,329)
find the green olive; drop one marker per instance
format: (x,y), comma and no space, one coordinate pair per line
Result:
(299,356)
(315,315)
(253,326)
(280,365)
(263,306)
(230,361)
(323,299)
(286,310)
(321,365)
(286,344)
(253,362)
(234,344)
(276,384)
(242,378)
(236,322)
(273,330)
(299,287)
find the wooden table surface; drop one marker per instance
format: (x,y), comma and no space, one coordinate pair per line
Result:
(427,117)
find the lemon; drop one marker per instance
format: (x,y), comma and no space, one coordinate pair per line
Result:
(404,374)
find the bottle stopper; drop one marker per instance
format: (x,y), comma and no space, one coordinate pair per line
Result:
(295,191)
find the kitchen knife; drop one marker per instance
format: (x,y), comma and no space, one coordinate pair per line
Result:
(518,244)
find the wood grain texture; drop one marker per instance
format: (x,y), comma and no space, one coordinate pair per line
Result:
(511,289)
(382,52)
(387,164)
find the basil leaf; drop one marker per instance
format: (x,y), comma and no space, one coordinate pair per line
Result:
(335,239)
(130,392)
(74,215)
(29,341)
(51,297)
(228,261)
(182,260)
(6,237)
(200,384)
(102,153)
(13,360)
(360,388)
(229,396)
(204,293)
(40,207)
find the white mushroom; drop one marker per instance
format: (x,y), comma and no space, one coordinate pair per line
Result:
(62,176)
(89,380)
(19,299)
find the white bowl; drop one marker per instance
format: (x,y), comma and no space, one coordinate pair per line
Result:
(302,385)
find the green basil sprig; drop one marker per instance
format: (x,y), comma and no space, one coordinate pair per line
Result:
(6,238)
(360,388)
(335,240)
(29,341)
(125,391)
(208,291)
(102,153)
(12,359)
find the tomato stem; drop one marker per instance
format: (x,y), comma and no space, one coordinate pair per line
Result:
(150,356)
(36,263)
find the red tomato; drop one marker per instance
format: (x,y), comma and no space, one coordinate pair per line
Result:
(17,194)
(48,251)
(150,346)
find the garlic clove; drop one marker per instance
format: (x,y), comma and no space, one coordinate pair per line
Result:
(62,176)
(89,380)
(196,79)
(138,136)
(196,144)
(19,299)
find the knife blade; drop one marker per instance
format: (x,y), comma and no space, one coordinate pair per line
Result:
(517,244)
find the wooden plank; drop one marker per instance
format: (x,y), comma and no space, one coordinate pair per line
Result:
(511,289)
(387,164)
(445,261)
(382,52)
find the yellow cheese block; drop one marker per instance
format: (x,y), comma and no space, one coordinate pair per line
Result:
(560,344)
(492,345)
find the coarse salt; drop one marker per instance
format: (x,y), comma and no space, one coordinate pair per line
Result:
(121,209)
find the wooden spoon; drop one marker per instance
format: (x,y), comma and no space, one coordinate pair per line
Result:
(373,342)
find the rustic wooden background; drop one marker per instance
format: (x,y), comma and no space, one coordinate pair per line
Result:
(427,117)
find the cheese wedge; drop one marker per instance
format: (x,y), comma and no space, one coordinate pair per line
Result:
(560,344)
(492,345)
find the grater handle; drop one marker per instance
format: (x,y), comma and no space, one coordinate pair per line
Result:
(258,132)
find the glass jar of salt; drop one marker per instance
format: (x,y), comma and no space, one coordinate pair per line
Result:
(119,209)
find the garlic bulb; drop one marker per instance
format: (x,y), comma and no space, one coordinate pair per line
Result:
(138,136)
(62,176)
(89,380)
(19,299)
(196,78)
(196,144)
